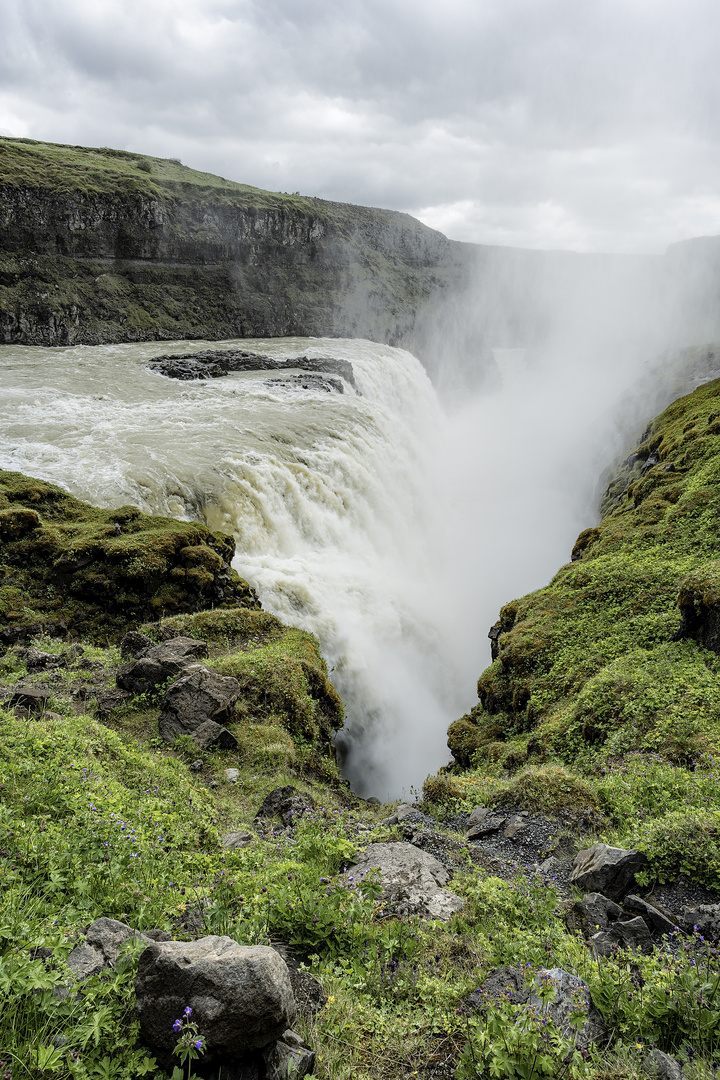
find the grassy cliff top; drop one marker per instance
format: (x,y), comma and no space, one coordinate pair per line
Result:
(64,169)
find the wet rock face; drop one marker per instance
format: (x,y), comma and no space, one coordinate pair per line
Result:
(241,996)
(213,364)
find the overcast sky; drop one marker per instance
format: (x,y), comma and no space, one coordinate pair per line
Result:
(585,124)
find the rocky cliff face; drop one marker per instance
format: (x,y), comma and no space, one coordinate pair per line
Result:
(100,246)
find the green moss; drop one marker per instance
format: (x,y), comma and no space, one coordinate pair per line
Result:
(548,789)
(67,567)
(589,665)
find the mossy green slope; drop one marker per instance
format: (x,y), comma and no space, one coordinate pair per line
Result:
(603,692)
(68,567)
(592,666)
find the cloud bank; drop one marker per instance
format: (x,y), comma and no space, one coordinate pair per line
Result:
(537,123)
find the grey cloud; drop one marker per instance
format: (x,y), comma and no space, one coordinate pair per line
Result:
(545,122)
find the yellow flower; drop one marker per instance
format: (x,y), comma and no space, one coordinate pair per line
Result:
(331,999)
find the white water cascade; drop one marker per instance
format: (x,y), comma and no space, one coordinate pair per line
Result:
(387,527)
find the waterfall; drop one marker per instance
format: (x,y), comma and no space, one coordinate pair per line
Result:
(390,528)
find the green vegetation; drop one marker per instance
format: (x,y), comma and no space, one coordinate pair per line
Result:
(608,677)
(66,566)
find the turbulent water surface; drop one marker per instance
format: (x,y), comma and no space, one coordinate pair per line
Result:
(390,529)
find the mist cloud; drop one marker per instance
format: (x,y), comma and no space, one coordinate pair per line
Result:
(540,123)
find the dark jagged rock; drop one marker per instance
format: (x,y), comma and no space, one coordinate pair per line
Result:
(197,704)
(158,663)
(655,918)
(285,803)
(594,912)
(630,934)
(213,364)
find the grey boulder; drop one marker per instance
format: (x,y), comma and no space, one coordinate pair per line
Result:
(502,984)
(159,663)
(594,912)
(572,996)
(706,918)
(286,803)
(241,996)
(663,1066)
(412,879)
(103,941)
(653,916)
(607,870)
(626,934)
(196,697)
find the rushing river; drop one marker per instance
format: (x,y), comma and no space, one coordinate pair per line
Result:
(388,528)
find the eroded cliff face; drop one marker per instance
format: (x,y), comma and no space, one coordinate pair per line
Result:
(149,257)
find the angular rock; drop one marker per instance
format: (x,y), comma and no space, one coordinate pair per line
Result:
(707,919)
(479,814)
(233,841)
(159,663)
(32,698)
(607,870)
(109,700)
(628,934)
(232,775)
(594,912)
(663,1066)
(486,827)
(241,997)
(571,995)
(134,643)
(109,936)
(505,983)
(206,735)
(194,698)
(284,802)
(412,879)
(404,810)
(652,915)
(514,829)
(85,960)
(287,1059)
(36,660)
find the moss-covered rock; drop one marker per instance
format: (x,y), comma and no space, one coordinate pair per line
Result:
(70,568)
(282,675)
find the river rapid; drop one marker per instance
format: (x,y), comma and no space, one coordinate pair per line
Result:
(388,526)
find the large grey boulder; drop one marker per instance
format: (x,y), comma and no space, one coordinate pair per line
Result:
(607,870)
(159,663)
(197,696)
(103,941)
(572,995)
(412,879)
(241,997)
